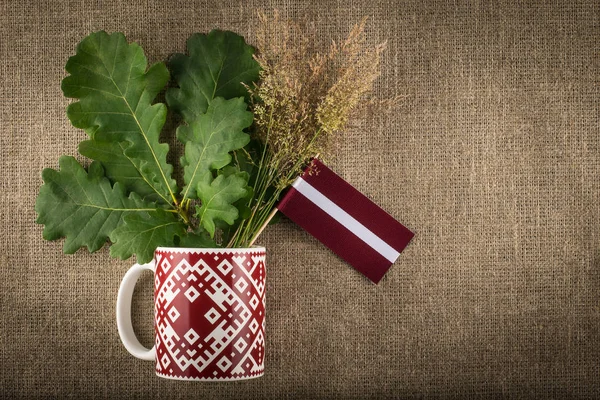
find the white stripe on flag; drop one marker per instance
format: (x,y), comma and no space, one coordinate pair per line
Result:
(347,220)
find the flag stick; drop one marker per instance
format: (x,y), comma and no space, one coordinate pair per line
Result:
(269,218)
(264,225)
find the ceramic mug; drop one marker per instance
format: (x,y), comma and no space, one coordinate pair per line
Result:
(209,313)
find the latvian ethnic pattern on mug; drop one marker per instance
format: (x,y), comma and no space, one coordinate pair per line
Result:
(233,348)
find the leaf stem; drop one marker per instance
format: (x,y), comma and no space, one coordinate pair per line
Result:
(184,215)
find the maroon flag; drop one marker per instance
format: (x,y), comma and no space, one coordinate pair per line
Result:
(345,220)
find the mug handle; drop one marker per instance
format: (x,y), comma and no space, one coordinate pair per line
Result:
(124,325)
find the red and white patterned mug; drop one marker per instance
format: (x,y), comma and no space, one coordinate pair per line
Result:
(209,313)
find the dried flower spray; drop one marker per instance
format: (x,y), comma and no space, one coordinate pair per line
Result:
(302,102)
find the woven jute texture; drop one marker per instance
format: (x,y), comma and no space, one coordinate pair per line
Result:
(492,159)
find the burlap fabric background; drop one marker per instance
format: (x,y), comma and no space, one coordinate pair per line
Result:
(493,160)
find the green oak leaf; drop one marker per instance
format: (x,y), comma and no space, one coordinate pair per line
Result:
(241,204)
(210,139)
(194,240)
(218,197)
(218,64)
(82,206)
(115,91)
(142,233)
(119,168)
(244,211)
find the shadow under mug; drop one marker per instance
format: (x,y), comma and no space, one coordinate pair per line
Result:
(209,313)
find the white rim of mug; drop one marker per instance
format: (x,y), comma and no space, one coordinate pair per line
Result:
(212,249)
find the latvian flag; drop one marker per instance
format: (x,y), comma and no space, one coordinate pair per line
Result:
(346,221)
